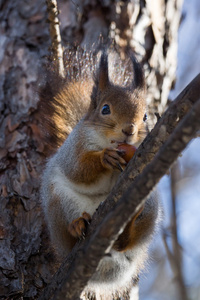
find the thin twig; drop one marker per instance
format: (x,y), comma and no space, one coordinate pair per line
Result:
(55,35)
(177,257)
(167,249)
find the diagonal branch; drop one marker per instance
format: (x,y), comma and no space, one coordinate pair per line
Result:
(73,276)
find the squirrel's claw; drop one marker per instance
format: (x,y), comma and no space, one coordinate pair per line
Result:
(77,228)
(121,152)
(119,167)
(86,217)
(112,159)
(83,235)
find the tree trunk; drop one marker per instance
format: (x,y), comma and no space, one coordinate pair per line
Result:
(27,261)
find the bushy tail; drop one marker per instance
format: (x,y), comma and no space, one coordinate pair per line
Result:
(64,101)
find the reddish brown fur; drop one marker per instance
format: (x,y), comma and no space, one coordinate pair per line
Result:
(136,229)
(90,167)
(60,111)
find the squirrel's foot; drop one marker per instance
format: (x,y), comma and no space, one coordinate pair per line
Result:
(77,228)
(112,159)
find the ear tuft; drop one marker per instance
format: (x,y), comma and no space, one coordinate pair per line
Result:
(138,79)
(103,79)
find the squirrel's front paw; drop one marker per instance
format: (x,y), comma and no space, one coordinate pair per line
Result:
(77,228)
(112,159)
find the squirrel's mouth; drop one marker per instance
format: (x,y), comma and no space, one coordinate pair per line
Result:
(121,142)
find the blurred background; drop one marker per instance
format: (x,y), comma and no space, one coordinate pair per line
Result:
(160,281)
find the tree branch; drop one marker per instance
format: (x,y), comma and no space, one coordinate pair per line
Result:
(55,35)
(175,255)
(71,281)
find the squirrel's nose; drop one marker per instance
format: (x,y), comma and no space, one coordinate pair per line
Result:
(129,129)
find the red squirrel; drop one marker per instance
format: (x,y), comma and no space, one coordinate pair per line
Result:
(84,169)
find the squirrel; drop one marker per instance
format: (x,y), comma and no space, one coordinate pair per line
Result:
(88,117)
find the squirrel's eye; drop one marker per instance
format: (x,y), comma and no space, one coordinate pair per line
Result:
(145,117)
(105,109)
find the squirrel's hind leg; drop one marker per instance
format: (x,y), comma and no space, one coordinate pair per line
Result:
(61,238)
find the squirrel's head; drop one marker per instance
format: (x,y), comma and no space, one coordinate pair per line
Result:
(118,113)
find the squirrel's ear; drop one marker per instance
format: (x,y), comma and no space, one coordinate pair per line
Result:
(102,79)
(138,78)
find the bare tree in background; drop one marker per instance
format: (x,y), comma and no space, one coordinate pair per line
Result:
(149,27)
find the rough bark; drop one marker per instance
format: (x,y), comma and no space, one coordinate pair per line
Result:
(26,261)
